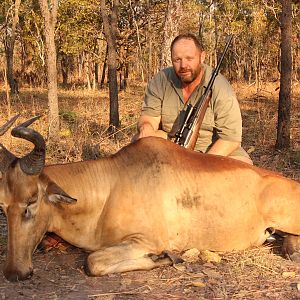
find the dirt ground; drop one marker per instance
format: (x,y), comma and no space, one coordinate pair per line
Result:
(260,273)
(253,273)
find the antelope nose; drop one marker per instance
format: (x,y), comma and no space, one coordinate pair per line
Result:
(17,275)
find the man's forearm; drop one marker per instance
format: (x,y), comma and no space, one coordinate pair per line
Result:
(148,126)
(224,148)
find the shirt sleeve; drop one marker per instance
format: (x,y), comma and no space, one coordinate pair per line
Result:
(227,114)
(152,105)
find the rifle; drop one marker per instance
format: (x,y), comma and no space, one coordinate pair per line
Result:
(188,133)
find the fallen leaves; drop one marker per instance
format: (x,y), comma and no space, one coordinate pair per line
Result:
(288,274)
(193,255)
(208,256)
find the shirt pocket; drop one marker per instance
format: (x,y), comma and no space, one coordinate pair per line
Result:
(208,123)
(170,115)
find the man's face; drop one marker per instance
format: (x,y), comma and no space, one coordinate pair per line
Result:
(187,60)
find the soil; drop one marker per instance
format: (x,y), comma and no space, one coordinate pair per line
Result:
(260,273)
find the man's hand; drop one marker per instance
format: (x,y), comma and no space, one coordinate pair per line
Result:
(148,126)
(146,129)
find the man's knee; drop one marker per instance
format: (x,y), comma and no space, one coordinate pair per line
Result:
(242,155)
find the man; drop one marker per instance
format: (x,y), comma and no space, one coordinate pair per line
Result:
(172,89)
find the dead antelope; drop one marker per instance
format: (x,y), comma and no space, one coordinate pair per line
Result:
(149,197)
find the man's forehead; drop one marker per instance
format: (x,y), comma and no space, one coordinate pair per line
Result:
(184,44)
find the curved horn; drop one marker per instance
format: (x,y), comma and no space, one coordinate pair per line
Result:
(6,157)
(32,163)
(8,124)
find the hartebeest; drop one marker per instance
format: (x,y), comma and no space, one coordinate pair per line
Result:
(149,197)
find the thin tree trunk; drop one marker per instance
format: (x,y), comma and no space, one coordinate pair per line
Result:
(65,69)
(139,49)
(9,49)
(172,22)
(7,94)
(49,13)
(110,32)
(284,105)
(149,38)
(104,69)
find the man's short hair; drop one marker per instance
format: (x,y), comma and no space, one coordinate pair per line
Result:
(187,36)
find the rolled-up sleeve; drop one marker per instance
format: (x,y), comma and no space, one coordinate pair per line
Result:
(227,114)
(153,98)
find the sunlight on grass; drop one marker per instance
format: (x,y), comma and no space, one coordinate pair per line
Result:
(84,117)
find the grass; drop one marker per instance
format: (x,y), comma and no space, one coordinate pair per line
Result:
(84,117)
(84,134)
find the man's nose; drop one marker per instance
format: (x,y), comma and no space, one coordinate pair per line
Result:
(183,64)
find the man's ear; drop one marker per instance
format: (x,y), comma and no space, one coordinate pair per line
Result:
(56,194)
(202,56)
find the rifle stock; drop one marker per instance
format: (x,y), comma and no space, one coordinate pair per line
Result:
(188,133)
(191,142)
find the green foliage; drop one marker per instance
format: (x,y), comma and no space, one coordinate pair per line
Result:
(68,116)
(79,26)
(80,42)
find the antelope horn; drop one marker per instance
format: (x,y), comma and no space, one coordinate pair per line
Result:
(8,124)
(32,163)
(6,157)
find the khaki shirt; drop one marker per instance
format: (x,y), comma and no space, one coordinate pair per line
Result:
(164,97)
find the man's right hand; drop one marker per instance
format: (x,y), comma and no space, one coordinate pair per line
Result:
(146,129)
(148,126)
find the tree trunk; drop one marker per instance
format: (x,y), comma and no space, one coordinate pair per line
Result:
(96,72)
(65,69)
(170,31)
(49,13)
(104,69)
(110,32)
(149,39)
(284,106)
(9,49)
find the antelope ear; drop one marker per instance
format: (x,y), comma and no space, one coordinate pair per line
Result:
(56,194)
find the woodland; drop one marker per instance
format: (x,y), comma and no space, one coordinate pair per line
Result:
(84,65)
(89,44)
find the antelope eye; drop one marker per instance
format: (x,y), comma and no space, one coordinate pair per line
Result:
(27,213)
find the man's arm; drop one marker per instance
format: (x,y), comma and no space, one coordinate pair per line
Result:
(227,117)
(148,126)
(224,148)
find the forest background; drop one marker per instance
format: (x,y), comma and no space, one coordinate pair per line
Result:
(80,44)
(83,66)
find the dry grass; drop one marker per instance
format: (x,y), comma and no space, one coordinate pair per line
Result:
(84,124)
(254,273)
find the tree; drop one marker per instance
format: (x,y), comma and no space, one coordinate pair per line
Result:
(49,13)
(10,45)
(284,106)
(78,40)
(110,32)
(170,30)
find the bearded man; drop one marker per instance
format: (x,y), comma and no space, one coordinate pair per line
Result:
(172,89)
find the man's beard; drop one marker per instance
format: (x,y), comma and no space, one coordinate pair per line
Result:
(188,75)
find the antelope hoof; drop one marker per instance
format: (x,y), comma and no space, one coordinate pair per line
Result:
(291,248)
